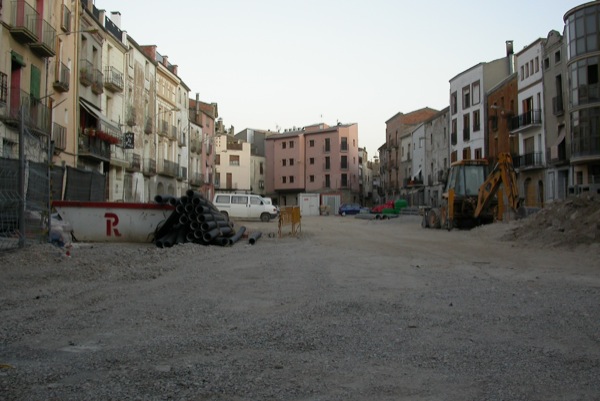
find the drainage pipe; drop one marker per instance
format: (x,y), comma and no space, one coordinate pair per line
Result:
(234,238)
(254,237)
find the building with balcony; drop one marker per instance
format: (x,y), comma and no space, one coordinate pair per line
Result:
(555,117)
(467,105)
(204,116)
(582,54)
(436,158)
(319,159)
(258,164)
(528,126)
(233,164)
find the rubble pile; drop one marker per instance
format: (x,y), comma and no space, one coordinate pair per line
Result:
(195,219)
(567,223)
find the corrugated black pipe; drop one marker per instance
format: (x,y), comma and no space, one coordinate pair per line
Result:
(165,199)
(209,225)
(193,194)
(167,241)
(234,238)
(254,237)
(167,225)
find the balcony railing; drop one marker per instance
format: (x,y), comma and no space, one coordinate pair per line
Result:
(585,146)
(86,72)
(93,147)
(528,160)
(59,136)
(196,179)
(149,167)
(63,77)
(113,79)
(173,134)
(37,116)
(181,173)
(97,83)
(148,126)
(168,168)
(530,118)
(164,128)
(135,163)
(130,116)
(44,46)
(24,22)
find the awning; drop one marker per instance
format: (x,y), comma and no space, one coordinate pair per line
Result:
(107,125)
(17,58)
(416,176)
(554,148)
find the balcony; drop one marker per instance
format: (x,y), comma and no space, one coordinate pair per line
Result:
(93,147)
(585,147)
(24,22)
(97,81)
(149,167)
(532,118)
(45,46)
(113,79)
(528,160)
(63,77)
(168,168)
(164,128)
(195,146)
(130,116)
(196,180)
(182,140)
(59,136)
(181,173)
(37,116)
(173,133)
(148,126)
(86,72)
(557,155)
(135,163)
(557,106)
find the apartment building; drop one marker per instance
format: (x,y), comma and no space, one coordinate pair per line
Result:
(467,105)
(583,49)
(557,132)
(232,162)
(319,159)
(258,163)
(204,116)
(528,126)
(436,157)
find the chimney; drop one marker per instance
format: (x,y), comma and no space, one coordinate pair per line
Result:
(197,108)
(102,17)
(165,61)
(115,17)
(510,56)
(175,69)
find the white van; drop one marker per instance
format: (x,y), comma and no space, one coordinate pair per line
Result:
(244,206)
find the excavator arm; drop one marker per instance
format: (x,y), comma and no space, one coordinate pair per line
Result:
(503,173)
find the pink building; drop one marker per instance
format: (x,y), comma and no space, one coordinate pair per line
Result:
(314,159)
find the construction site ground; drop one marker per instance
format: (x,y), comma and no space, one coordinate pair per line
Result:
(349,309)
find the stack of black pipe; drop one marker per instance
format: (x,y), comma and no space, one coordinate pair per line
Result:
(195,219)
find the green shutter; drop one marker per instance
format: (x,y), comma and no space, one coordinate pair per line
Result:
(36,77)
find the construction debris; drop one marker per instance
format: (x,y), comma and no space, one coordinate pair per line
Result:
(566,223)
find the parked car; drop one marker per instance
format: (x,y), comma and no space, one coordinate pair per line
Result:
(349,208)
(244,206)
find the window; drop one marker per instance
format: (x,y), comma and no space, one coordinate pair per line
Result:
(344,162)
(327,163)
(311,178)
(283,162)
(478,153)
(453,103)
(291,162)
(218,160)
(466,127)
(291,179)
(327,181)
(546,63)
(476,121)
(234,160)
(291,144)
(466,97)
(327,145)
(344,180)
(311,160)
(3,88)
(476,93)
(344,145)
(283,145)
(557,57)
(311,143)
(261,169)
(526,70)
(239,199)
(537,64)
(467,153)
(284,180)
(261,184)
(254,200)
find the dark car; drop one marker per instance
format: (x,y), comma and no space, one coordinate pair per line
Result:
(349,208)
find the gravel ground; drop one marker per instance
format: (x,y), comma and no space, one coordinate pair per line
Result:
(351,309)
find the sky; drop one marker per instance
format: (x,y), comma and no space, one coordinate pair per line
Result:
(277,64)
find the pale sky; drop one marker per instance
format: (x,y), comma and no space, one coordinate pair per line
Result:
(273,64)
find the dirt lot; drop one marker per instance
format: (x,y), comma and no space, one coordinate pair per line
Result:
(352,309)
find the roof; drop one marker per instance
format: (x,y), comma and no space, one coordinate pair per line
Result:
(415,117)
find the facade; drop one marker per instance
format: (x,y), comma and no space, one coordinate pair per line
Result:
(396,161)
(258,164)
(467,106)
(583,49)
(558,138)
(203,117)
(501,108)
(528,125)
(365,178)
(314,159)
(436,159)
(232,161)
